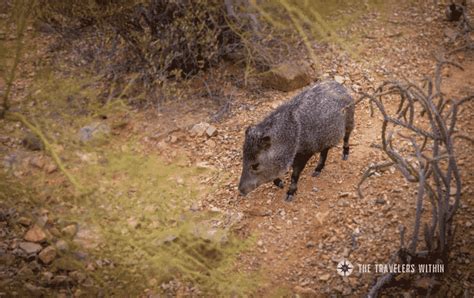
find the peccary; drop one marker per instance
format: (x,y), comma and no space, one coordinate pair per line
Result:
(313,121)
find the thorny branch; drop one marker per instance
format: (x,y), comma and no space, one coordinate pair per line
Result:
(418,138)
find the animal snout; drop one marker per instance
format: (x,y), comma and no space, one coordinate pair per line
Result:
(245,187)
(243,191)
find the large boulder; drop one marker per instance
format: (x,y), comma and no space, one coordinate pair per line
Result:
(287,77)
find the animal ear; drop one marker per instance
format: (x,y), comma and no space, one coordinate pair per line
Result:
(265,142)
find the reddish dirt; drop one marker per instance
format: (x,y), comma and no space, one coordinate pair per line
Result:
(298,244)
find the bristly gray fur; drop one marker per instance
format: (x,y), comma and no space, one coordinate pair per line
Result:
(314,120)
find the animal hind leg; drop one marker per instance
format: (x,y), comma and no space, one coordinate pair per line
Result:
(345,147)
(321,163)
(298,165)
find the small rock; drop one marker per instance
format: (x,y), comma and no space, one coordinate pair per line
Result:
(216,209)
(46,277)
(346,252)
(70,230)
(35,234)
(34,290)
(81,255)
(310,244)
(173,139)
(133,223)
(344,194)
(425,283)
(47,255)
(180,181)
(94,132)
(60,280)
(203,165)
(325,277)
(25,272)
(194,207)
(37,162)
(24,221)
(78,276)
(380,201)
(211,143)
(199,129)
(287,77)
(211,131)
(62,245)
(55,232)
(346,291)
(51,168)
(342,203)
(315,189)
(30,247)
(260,243)
(468,224)
(339,79)
(305,291)
(32,142)
(88,237)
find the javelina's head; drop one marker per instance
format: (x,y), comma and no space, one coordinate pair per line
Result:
(259,162)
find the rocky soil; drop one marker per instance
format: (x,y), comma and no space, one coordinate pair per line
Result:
(297,244)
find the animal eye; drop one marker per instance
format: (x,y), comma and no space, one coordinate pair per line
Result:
(255,166)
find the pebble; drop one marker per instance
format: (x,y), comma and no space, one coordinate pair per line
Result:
(48,254)
(70,230)
(37,162)
(51,168)
(305,291)
(344,194)
(30,247)
(35,234)
(325,277)
(24,221)
(339,79)
(211,131)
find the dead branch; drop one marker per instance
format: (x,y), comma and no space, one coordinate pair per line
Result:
(423,152)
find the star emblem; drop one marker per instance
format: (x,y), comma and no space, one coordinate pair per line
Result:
(344,268)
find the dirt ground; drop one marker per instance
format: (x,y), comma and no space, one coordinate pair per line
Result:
(298,244)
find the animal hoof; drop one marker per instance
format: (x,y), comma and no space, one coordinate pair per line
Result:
(345,156)
(289,198)
(316,173)
(279,183)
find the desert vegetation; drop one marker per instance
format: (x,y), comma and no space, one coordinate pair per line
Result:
(121,133)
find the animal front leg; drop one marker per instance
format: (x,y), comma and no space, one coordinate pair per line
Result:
(298,165)
(321,163)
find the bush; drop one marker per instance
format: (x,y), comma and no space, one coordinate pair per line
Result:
(160,37)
